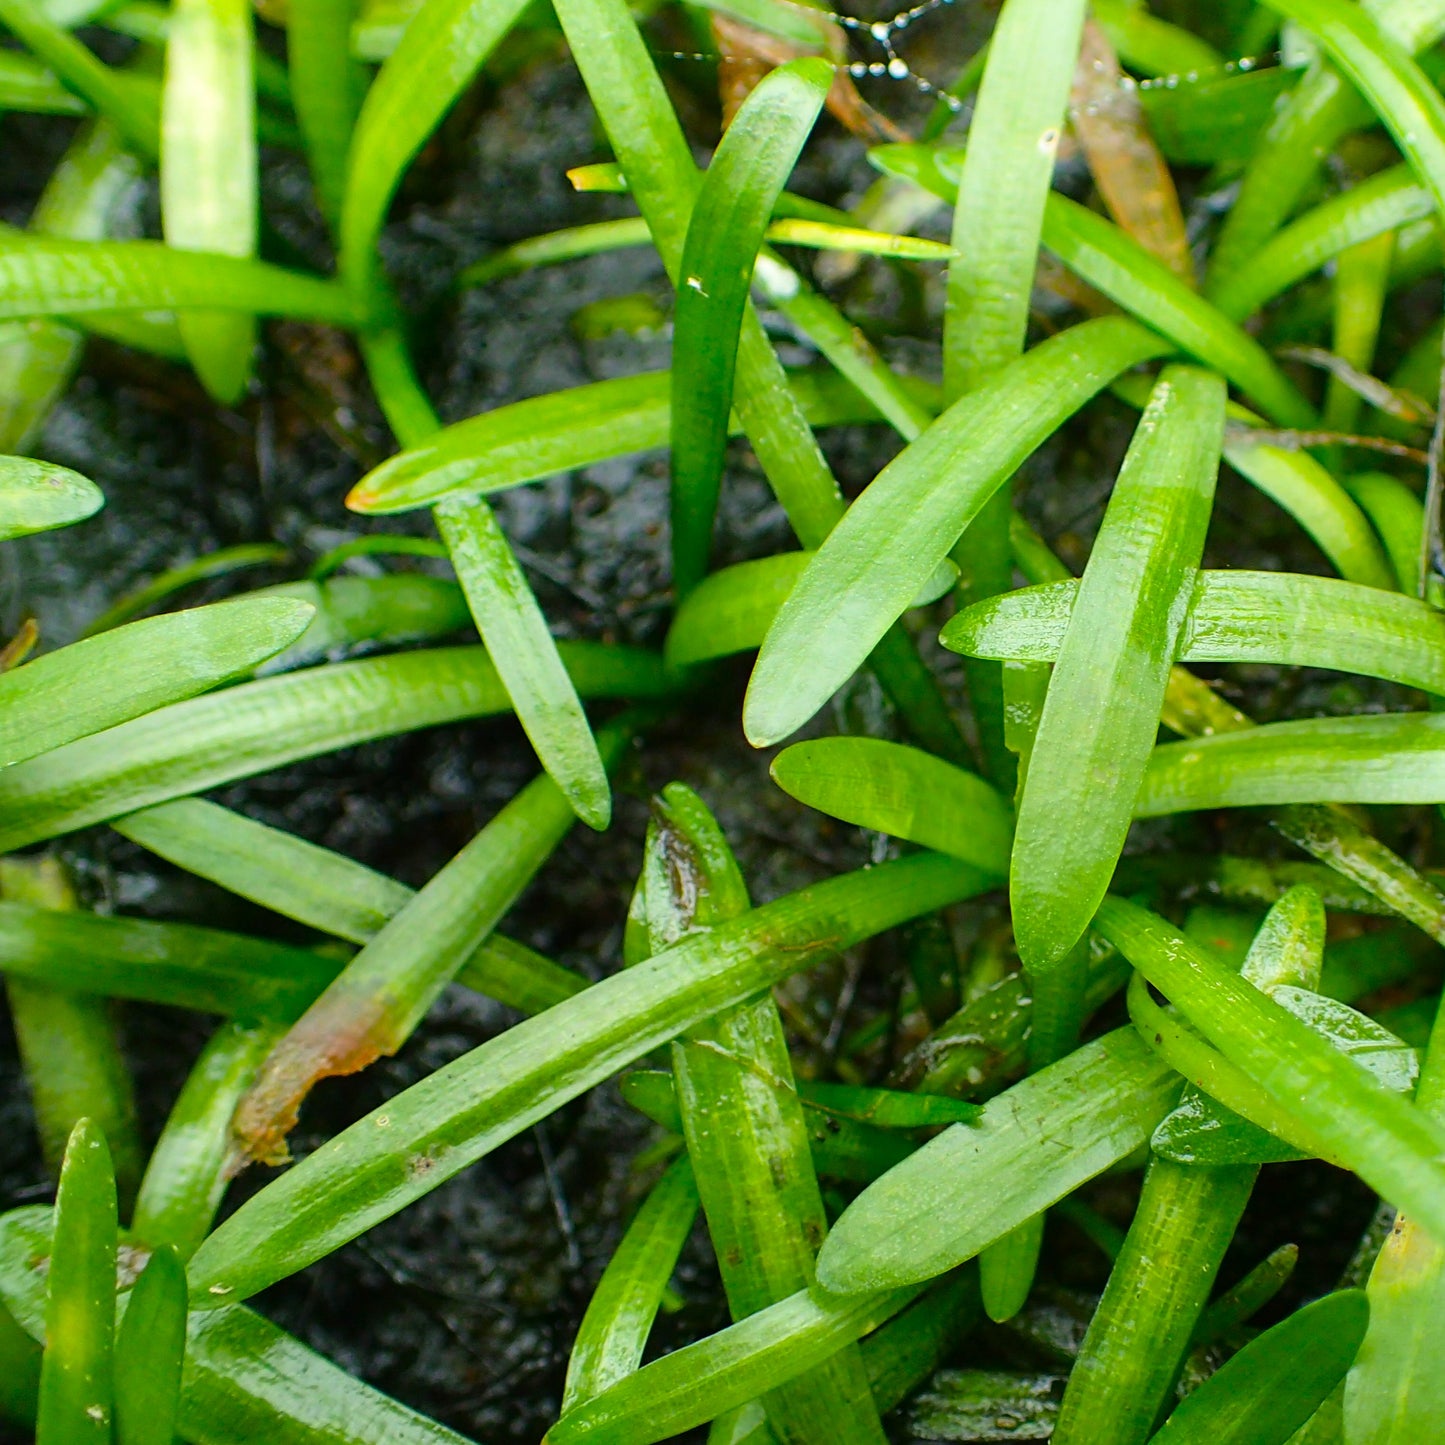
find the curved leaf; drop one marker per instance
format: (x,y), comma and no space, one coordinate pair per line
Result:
(359,612)
(1099,252)
(1394,1147)
(167,963)
(186,1176)
(114,94)
(443,46)
(896,534)
(702,1381)
(902,791)
(732,609)
(1383,72)
(1308,492)
(613,1333)
(83,198)
(1383,203)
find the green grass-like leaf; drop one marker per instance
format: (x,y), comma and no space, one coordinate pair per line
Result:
(120,675)
(371,1008)
(903,791)
(64,278)
(1276,618)
(1384,73)
(1384,759)
(38,497)
(613,1333)
(130,107)
(576,427)
(744,1124)
(149,1353)
(901,528)
(208,170)
(329,892)
(246,1379)
(975,1182)
(700,1381)
(460,1112)
(327,86)
(1276,1382)
(187,1174)
(726,228)
(443,46)
(199,744)
(1150,1308)
(1388,1142)
(1383,203)
(76,1376)
(1101,713)
(527,660)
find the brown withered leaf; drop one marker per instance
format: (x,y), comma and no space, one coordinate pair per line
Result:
(20,646)
(1127,167)
(341,1033)
(748,54)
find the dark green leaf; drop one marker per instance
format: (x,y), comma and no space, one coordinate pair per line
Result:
(1276,1382)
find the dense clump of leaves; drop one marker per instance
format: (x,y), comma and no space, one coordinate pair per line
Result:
(1224,227)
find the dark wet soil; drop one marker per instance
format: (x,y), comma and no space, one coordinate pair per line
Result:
(465,1304)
